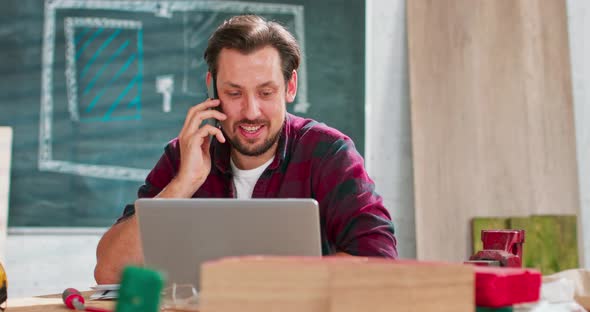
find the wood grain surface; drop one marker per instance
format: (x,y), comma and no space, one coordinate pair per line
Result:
(52,303)
(492,119)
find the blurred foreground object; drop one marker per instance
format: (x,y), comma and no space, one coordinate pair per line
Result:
(3,288)
(579,279)
(334,284)
(140,290)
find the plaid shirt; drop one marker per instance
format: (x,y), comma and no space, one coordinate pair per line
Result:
(312,161)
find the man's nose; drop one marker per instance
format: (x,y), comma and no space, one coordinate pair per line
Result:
(251,108)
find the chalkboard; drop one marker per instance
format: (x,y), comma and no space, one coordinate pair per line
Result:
(95,89)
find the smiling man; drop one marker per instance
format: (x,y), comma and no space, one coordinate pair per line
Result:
(259,151)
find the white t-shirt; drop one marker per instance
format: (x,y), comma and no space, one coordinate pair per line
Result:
(245,180)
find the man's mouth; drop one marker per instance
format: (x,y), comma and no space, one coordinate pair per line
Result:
(250,128)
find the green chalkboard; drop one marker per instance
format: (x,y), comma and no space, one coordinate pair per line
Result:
(95,89)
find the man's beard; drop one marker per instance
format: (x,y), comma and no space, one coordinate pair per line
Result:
(246,150)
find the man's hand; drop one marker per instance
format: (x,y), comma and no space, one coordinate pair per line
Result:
(194,141)
(120,245)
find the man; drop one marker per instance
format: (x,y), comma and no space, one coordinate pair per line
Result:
(259,150)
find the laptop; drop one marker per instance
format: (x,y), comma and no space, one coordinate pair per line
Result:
(178,235)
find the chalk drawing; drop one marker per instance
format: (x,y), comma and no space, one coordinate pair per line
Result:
(80,33)
(165,85)
(75,48)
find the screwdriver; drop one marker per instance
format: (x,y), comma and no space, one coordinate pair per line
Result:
(74,300)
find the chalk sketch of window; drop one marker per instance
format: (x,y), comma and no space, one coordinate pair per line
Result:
(82,67)
(103,69)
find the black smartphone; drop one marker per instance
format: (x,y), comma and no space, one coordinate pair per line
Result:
(212,94)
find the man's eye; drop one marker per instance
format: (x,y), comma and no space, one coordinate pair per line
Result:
(233,94)
(266,93)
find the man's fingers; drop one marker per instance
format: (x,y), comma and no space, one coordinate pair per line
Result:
(199,108)
(206,144)
(211,113)
(194,122)
(207,130)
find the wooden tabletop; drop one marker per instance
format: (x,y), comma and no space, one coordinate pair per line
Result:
(52,303)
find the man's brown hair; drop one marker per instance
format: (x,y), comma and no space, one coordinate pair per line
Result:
(248,33)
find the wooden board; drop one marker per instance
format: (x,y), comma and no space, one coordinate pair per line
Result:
(401,286)
(51,303)
(335,284)
(492,120)
(551,243)
(5,164)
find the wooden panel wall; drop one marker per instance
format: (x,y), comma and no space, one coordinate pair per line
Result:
(492,120)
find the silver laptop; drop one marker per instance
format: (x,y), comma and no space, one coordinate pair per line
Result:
(178,235)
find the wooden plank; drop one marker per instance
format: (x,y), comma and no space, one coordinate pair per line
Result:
(384,286)
(551,243)
(253,283)
(5,163)
(340,284)
(492,120)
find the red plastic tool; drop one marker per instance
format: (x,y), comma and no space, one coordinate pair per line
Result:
(74,300)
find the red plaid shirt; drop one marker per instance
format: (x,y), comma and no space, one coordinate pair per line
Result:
(312,161)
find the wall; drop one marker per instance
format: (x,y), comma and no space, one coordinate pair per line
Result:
(579,37)
(388,139)
(50,261)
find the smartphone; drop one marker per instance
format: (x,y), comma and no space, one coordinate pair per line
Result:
(212,94)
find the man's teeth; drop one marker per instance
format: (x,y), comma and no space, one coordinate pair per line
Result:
(251,128)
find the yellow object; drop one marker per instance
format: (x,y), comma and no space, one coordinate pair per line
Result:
(3,292)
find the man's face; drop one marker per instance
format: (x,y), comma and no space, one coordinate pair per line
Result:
(253,95)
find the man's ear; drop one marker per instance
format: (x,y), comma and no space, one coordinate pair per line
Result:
(291,88)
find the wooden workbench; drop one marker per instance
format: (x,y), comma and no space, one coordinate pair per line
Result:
(52,303)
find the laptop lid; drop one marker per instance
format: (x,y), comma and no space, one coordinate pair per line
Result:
(178,235)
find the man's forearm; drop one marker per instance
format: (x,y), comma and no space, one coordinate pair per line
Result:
(179,189)
(119,246)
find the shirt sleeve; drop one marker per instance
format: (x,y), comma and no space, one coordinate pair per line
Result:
(164,171)
(356,222)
